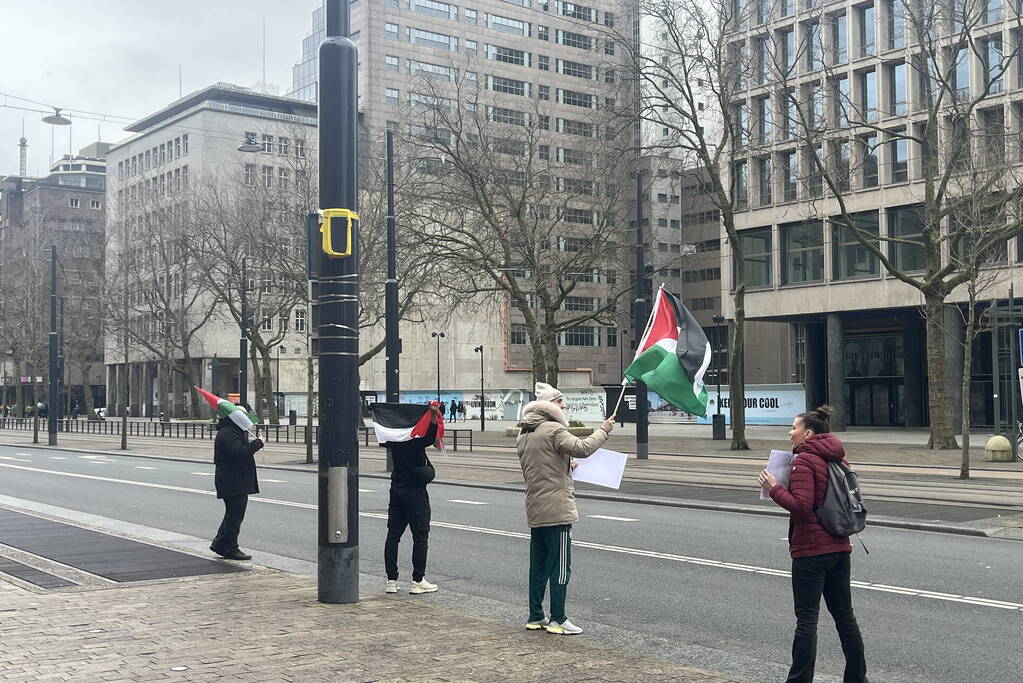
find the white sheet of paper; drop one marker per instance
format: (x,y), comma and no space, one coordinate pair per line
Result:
(780,465)
(603,468)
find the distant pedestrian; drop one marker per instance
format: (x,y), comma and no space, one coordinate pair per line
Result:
(409,505)
(453,410)
(461,411)
(546,449)
(820,561)
(235,480)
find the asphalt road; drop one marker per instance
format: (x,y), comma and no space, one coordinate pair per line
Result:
(708,589)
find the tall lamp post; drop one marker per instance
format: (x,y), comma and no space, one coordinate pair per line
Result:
(622,334)
(392,343)
(337,300)
(639,324)
(483,419)
(719,419)
(54,364)
(243,343)
(438,336)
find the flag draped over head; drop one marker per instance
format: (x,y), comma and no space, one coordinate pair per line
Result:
(224,408)
(397,422)
(673,356)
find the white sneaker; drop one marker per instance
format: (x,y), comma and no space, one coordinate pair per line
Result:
(565,628)
(423,586)
(538,625)
(391,586)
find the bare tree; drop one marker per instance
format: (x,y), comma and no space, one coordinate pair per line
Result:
(961,170)
(685,81)
(525,204)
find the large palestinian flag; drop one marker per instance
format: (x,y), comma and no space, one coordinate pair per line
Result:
(224,408)
(673,356)
(397,422)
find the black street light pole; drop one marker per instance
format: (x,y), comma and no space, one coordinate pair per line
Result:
(639,324)
(243,343)
(438,336)
(63,388)
(392,344)
(54,378)
(483,419)
(338,323)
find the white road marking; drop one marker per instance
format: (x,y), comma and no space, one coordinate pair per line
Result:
(467,502)
(366,491)
(613,519)
(11,457)
(202,474)
(57,457)
(93,457)
(143,467)
(24,455)
(275,481)
(699,561)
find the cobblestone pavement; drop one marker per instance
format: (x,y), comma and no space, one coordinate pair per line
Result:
(267,626)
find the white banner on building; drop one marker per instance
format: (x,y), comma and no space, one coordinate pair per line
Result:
(766,404)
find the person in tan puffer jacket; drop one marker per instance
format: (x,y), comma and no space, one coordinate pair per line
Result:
(546,449)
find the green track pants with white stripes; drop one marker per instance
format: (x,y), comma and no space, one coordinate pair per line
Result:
(550,560)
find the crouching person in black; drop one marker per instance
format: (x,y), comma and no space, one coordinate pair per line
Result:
(409,506)
(235,480)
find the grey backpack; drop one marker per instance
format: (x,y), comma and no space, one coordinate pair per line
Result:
(843,512)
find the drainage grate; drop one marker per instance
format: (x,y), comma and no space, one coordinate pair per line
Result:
(34,576)
(115,558)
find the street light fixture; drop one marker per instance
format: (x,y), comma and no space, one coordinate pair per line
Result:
(483,419)
(250,145)
(56,118)
(438,336)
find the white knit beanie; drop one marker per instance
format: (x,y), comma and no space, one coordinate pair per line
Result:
(545,392)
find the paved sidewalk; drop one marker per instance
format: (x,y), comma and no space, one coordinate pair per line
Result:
(265,625)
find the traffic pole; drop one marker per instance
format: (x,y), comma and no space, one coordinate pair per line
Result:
(338,302)
(391,341)
(639,323)
(53,397)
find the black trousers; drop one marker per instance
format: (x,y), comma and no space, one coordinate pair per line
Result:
(234,512)
(812,577)
(407,508)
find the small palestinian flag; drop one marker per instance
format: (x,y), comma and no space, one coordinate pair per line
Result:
(397,422)
(673,356)
(224,408)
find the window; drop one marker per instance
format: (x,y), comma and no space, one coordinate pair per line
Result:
(267,325)
(545,152)
(787,7)
(992,11)
(163,153)
(896,24)
(993,66)
(543,62)
(250,174)
(509,86)
(580,128)
(391,96)
(582,335)
(762,55)
(438,41)
(868,30)
(787,40)
(268,176)
(543,33)
(580,303)
(868,157)
(283,146)
(898,148)
(898,88)
(518,335)
(470,16)
(740,117)
(802,252)
(993,125)
(583,42)
(906,223)
(868,95)
(791,114)
(815,108)
(300,320)
(576,99)
(470,48)
(812,45)
(73,203)
(842,164)
(763,108)
(183,149)
(515,27)
(850,259)
(502,115)
(815,178)
(576,69)
(740,180)
(544,92)
(268,144)
(435,72)
(961,76)
(840,94)
(391,31)
(283,178)
(392,63)
(840,39)
(790,175)
(571,9)
(507,55)
(765,179)
(300,149)
(756,249)
(95,204)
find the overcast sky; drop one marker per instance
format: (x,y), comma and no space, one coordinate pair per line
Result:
(120,57)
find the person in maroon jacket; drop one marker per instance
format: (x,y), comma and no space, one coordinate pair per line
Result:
(820,561)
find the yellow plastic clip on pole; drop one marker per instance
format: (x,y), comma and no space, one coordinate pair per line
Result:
(325,229)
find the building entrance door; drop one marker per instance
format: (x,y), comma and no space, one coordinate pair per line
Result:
(876,403)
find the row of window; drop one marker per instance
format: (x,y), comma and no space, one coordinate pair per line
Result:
(265,176)
(580,335)
(444,10)
(152,158)
(157,187)
(76,203)
(515,27)
(801,246)
(281,145)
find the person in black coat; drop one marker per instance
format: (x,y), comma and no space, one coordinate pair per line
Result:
(409,506)
(235,480)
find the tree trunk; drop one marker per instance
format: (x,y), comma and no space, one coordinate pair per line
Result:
(971,321)
(268,391)
(165,380)
(257,379)
(736,377)
(88,404)
(943,433)
(537,349)
(186,374)
(552,360)
(19,391)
